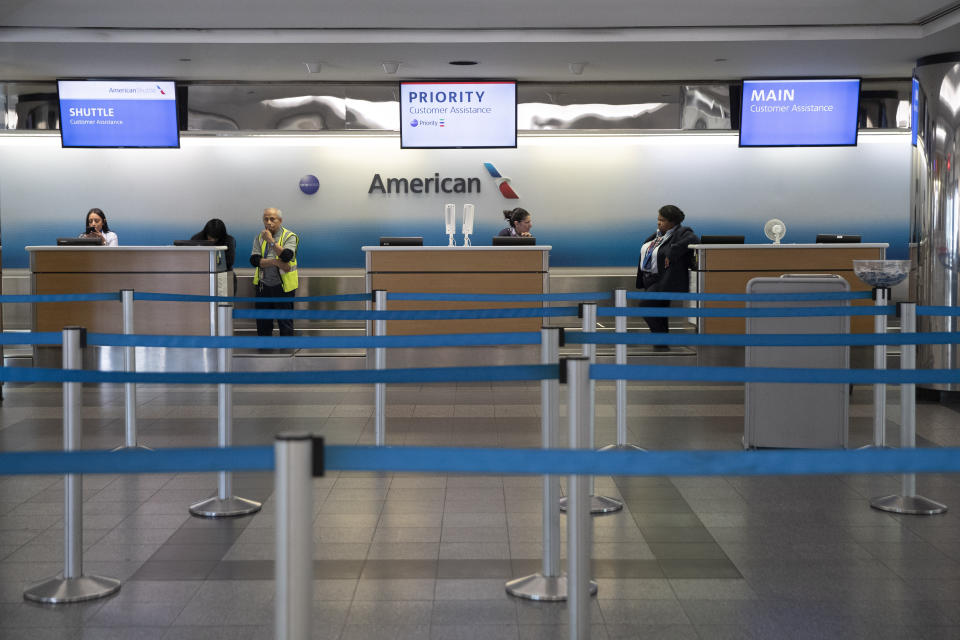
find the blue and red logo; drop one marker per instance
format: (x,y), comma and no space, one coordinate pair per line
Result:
(503,183)
(162,92)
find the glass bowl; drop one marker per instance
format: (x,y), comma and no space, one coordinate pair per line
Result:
(882,273)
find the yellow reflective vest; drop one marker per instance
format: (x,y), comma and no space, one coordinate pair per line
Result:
(288,279)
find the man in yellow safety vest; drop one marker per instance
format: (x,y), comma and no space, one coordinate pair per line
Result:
(274,255)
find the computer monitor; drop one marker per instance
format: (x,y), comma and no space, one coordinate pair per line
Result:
(401,241)
(195,243)
(722,239)
(512,241)
(836,237)
(79,242)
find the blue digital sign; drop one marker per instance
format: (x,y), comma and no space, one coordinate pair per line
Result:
(793,113)
(118,113)
(914,111)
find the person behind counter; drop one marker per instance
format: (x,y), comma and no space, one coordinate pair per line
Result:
(97,227)
(665,261)
(274,255)
(216,231)
(519,223)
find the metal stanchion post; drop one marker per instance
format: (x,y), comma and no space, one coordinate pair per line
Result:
(550,584)
(224,504)
(294,526)
(380,363)
(72,586)
(620,301)
(598,504)
(908,502)
(881,298)
(129,366)
(578,491)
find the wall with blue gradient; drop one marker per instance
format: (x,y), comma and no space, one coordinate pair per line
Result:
(593,197)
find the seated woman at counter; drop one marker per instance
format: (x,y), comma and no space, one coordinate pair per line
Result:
(665,260)
(97,227)
(216,231)
(519,223)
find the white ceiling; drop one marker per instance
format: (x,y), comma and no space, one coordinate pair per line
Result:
(533,40)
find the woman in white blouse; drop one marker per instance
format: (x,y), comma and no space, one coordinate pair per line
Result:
(97,227)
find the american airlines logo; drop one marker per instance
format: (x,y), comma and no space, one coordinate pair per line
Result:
(503,182)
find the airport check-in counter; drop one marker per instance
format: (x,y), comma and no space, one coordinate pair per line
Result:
(470,270)
(179,270)
(727,268)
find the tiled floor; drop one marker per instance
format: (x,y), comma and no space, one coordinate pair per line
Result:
(426,556)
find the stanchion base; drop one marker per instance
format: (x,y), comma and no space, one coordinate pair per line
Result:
(909,505)
(873,446)
(60,590)
(621,447)
(544,588)
(598,504)
(228,508)
(124,447)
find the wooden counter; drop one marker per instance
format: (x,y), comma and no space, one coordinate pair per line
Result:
(726,268)
(182,270)
(484,270)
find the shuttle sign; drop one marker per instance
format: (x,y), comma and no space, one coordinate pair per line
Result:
(119,113)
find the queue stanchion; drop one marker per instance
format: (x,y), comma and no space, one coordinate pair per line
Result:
(224,504)
(908,502)
(72,585)
(579,526)
(598,504)
(129,366)
(296,463)
(881,298)
(380,363)
(620,301)
(550,584)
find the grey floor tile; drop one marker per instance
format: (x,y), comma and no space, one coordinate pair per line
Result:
(452,569)
(501,611)
(382,613)
(399,569)
(395,589)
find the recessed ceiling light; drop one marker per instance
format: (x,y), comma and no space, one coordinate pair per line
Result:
(463,63)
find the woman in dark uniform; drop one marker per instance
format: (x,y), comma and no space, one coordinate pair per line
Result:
(665,261)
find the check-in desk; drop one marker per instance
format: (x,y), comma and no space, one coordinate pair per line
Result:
(180,270)
(726,268)
(482,270)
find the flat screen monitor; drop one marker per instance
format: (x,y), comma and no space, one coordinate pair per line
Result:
(79,242)
(401,241)
(458,114)
(799,113)
(195,243)
(513,241)
(837,237)
(118,113)
(722,239)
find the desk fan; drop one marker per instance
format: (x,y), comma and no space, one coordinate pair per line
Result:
(775,229)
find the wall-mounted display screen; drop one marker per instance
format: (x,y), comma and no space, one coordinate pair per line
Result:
(799,113)
(458,114)
(914,110)
(118,113)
